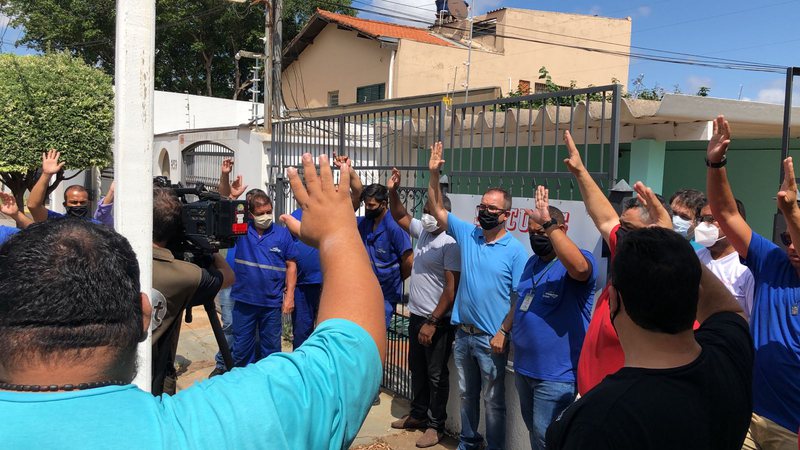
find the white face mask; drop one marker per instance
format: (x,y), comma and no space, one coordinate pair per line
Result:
(429,223)
(263,221)
(681,225)
(706,234)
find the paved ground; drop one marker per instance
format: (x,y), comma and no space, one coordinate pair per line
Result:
(196,351)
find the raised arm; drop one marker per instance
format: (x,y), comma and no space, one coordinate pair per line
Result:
(567,252)
(787,200)
(109,197)
(434,191)
(329,225)
(396,207)
(714,297)
(601,211)
(50,167)
(356,186)
(720,196)
(8,206)
(659,216)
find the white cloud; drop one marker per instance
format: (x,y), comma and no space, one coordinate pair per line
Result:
(775,92)
(644,11)
(694,83)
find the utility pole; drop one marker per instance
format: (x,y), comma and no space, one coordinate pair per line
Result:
(268,88)
(277,52)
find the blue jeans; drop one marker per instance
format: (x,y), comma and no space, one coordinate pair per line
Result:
(226,305)
(249,320)
(479,369)
(541,402)
(306,306)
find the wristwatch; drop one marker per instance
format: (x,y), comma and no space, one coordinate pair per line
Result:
(549,224)
(717,165)
(432,320)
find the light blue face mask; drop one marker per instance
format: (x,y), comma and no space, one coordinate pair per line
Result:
(681,225)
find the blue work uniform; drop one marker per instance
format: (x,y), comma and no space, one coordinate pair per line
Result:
(385,246)
(307,291)
(7,232)
(258,291)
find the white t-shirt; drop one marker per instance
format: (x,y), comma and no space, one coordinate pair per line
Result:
(433,254)
(734,275)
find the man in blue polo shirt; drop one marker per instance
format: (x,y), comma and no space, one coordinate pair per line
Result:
(550,319)
(265,280)
(775,318)
(492,262)
(388,246)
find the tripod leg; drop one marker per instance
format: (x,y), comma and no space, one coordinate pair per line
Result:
(216,326)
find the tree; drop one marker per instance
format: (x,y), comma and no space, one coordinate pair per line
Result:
(703,91)
(52,101)
(196,40)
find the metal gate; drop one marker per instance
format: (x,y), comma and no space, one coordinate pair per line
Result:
(515,143)
(202,162)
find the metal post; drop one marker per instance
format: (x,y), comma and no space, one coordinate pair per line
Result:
(277,52)
(267,68)
(613,147)
(791,72)
(469,50)
(133,144)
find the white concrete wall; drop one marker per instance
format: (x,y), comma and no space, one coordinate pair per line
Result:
(171,112)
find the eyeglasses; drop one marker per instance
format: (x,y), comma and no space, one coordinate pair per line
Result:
(491,208)
(786,238)
(708,218)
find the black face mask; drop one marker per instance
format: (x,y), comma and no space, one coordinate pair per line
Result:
(373,214)
(488,220)
(78,211)
(541,245)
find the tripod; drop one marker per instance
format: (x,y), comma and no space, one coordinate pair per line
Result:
(216,327)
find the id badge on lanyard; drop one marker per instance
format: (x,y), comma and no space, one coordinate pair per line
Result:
(526,303)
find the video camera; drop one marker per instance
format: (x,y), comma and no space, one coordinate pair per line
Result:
(209,224)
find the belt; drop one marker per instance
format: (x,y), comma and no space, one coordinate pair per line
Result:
(470,329)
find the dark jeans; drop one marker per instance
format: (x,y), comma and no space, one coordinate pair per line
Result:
(306,307)
(430,378)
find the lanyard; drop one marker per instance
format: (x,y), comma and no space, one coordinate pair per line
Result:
(544,272)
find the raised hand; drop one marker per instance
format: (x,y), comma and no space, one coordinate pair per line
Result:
(8,204)
(394,181)
(50,164)
(436,162)
(718,144)
(787,196)
(541,214)
(237,187)
(574,162)
(658,214)
(327,212)
(227,165)
(341,160)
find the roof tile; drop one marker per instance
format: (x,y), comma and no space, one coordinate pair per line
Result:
(384,29)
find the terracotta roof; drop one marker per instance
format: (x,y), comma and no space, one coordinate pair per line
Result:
(378,29)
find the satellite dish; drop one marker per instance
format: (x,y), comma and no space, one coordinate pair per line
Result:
(458,9)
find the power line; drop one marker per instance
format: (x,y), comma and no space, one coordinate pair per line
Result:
(702,61)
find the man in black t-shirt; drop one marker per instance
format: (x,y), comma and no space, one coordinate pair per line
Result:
(678,388)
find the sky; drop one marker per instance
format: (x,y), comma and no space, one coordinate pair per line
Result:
(763,32)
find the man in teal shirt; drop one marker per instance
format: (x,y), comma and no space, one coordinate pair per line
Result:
(71,316)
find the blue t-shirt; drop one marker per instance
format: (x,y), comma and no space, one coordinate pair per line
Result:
(548,331)
(385,246)
(7,232)
(489,275)
(308,268)
(313,398)
(261,266)
(56,215)
(775,325)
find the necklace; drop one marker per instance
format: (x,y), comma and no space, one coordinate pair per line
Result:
(55,387)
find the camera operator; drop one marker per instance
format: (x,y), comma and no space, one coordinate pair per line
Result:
(182,284)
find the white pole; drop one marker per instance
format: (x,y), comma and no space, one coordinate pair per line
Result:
(469,50)
(133,144)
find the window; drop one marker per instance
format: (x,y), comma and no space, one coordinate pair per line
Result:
(333,98)
(541,88)
(371,93)
(484,28)
(524,87)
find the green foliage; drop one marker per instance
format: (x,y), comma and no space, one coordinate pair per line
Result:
(52,101)
(642,92)
(703,91)
(196,40)
(550,87)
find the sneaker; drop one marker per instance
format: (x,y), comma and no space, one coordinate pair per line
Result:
(429,439)
(216,371)
(408,422)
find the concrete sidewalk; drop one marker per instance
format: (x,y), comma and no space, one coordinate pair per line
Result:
(196,350)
